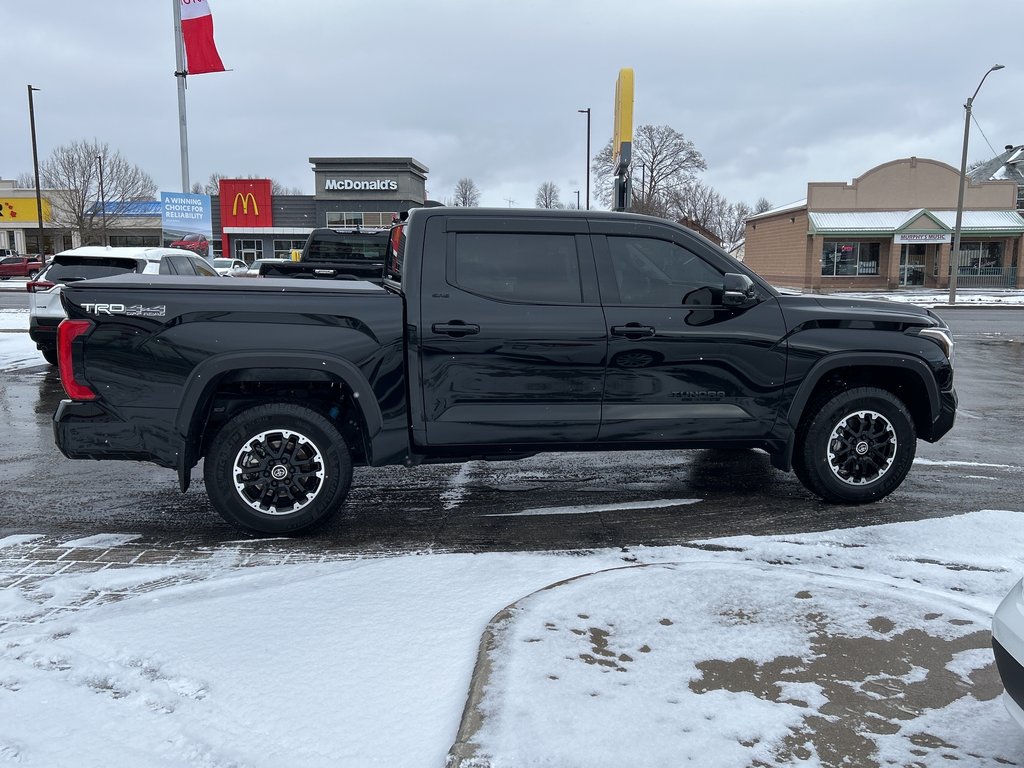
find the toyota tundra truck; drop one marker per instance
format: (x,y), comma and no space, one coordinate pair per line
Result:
(495,334)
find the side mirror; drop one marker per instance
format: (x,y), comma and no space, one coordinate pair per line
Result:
(738,290)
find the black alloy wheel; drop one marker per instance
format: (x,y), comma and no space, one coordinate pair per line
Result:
(856,446)
(278,469)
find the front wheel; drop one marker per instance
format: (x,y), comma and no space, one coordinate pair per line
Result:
(855,447)
(277,469)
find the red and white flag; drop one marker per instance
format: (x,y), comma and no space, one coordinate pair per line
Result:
(197,32)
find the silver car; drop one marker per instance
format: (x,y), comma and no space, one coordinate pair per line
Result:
(44,308)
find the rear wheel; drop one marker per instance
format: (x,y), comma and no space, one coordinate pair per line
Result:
(49,354)
(278,469)
(856,446)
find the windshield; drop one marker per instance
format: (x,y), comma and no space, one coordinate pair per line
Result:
(70,268)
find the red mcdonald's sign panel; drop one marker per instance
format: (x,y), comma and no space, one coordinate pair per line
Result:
(245,203)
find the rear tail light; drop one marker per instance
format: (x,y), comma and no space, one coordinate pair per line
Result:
(74,382)
(34,286)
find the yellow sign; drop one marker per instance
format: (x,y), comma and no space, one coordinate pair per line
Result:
(245,199)
(622,136)
(22,210)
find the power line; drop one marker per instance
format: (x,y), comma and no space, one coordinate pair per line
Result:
(976,123)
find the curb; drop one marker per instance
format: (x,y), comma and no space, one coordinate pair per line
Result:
(464,753)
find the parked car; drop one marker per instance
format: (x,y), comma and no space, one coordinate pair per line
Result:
(44,305)
(230,267)
(18,266)
(1008,647)
(254,268)
(193,242)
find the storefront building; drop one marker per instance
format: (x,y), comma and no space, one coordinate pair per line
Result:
(891,228)
(249,222)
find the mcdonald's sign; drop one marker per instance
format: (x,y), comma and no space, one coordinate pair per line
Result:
(245,200)
(245,203)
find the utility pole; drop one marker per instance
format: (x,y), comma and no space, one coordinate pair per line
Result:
(587,110)
(35,166)
(103,200)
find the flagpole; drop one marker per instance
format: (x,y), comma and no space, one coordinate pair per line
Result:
(180,74)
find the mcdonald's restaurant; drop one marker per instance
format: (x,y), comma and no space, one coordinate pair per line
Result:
(891,228)
(252,223)
(249,221)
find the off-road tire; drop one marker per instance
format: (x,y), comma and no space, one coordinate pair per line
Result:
(855,447)
(277,469)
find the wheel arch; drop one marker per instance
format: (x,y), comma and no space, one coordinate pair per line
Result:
(908,378)
(203,386)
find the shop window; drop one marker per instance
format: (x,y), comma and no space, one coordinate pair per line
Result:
(341,219)
(849,259)
(283,248)
(981,258)
(136,241)
(248,250)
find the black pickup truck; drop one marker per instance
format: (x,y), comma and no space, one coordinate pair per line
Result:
(496,334)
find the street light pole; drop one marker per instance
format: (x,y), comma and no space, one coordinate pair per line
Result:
(954,257)
(587,110)
(103,200)
(577,199)
(35,166)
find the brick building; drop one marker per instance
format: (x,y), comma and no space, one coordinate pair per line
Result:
(891,227)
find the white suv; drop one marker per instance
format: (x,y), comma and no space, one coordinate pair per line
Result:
(44,308)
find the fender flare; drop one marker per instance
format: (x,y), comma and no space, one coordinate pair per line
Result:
(206,375)
(874,359)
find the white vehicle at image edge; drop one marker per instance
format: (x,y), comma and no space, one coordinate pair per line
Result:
(1008,647)
(45,310)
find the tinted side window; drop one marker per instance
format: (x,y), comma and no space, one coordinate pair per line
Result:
(518,267)
(180,265)
(10,260)
(662,273)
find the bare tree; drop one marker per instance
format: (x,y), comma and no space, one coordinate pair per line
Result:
(547,196)
(74,170)
(25,180)
(763,204)
(663,163)
(466,194)
(735,223)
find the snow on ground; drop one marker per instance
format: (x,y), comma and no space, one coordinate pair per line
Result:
(749,651)
(16,349)
(935,298)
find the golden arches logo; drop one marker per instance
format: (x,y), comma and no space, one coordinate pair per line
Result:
(245,199)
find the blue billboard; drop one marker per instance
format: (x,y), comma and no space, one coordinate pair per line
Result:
(187,222)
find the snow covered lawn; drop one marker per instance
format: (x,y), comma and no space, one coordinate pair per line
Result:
(737,652)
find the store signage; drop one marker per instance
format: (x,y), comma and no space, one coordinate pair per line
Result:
(246,203)
(389,185)
(22,210)
(922,237)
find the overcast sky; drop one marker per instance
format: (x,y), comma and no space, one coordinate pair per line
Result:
(773,94)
